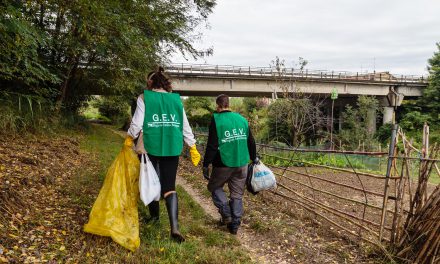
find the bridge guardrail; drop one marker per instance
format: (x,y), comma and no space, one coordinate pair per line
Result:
(230,70)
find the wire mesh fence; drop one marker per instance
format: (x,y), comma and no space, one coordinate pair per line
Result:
(371,196)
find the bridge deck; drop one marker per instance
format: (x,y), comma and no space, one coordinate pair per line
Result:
(247,72)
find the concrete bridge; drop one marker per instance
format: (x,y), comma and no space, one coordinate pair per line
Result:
(211,80)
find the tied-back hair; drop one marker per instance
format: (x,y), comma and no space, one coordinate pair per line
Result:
(159,80)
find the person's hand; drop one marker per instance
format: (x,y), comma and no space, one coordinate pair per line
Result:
(195,155)
(128,142)
(206,173)
(256,160)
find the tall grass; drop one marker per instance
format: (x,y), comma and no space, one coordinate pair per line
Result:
(22,113)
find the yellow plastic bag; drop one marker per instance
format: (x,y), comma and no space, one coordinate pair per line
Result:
(115,213)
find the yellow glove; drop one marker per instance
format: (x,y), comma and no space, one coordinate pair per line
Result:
(128,142)
(195,155)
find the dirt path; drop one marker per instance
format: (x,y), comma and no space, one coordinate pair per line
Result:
(274,231)
(245,236)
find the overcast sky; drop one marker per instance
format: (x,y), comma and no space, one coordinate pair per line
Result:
(386,35)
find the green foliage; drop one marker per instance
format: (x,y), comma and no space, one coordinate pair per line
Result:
(431,95)
(236,105)
(414,121)
(383,134)
(115,108)
(414,113)
(199,110)
(357,129)
(67,50)
(277,123)
(20,41)
(250,104)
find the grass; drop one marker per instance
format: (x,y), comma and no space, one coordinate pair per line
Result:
(205,242)
(91,112)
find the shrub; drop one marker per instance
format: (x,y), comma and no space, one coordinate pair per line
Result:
(116,108)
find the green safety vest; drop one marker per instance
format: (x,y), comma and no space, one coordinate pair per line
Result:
(163,124)
(232,132)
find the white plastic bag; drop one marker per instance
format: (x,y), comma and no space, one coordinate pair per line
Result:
(262,178)
(149,184)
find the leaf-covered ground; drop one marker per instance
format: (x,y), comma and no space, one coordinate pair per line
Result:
(47,187)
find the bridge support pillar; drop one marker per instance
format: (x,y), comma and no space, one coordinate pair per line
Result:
(388,112)
(371,121)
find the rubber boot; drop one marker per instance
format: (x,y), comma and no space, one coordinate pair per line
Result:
(221,202)
(172,208)
(236,211)
(153,207)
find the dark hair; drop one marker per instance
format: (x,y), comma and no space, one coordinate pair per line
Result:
(159,79)
(222,101)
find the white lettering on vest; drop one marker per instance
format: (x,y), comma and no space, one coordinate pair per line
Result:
(234,135)
(164,120)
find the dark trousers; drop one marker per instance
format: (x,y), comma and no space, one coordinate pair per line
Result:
(166,168)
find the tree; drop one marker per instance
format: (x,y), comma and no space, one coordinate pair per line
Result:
(299,114)
(414,113)
(199,110)
(430,100)
(356,128)
(78,48)
(21,63)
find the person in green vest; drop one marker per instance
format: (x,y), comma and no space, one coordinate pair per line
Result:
(229,149)
(161,126)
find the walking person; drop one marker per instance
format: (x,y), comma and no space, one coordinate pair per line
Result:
(230,147)
(161,126)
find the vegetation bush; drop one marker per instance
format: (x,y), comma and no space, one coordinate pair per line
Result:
(199,110)
(115,108)
(356,131)
(383,134)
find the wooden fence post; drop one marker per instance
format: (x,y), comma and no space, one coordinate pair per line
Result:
(387,180)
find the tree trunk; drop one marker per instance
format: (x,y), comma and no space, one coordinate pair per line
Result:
(66,84)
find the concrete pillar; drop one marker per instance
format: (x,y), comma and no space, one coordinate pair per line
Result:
(371,121)
(388,112)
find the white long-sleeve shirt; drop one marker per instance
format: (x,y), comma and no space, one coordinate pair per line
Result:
(137,122)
